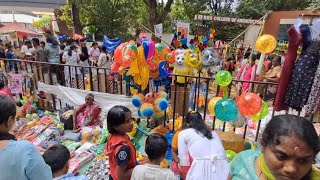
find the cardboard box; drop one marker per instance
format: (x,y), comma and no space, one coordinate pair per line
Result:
(231,141)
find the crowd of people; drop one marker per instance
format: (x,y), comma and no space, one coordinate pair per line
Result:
(289,146)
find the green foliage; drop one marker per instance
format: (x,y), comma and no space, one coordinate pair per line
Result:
(314,6)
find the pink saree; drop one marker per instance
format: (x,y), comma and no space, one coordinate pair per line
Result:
(86,116)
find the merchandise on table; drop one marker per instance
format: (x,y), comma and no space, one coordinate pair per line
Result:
(99,170)
(98,149)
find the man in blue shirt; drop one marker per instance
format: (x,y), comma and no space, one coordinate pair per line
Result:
(57,157)
(10,55)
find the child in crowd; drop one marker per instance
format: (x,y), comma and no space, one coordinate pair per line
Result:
(18,159)
(156,149)
(57,157)
(121,152)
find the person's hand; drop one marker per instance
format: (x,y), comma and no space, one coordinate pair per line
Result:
(76,130)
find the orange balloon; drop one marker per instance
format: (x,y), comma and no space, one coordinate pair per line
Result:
(249,104)
(114,67)
(118,52)
(266,44)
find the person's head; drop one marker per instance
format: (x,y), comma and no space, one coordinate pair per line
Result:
(62,46)
(289,144)
(10,47)
(89,99)
(57,157)
(2,84)
(276,61)
(119,120)
(104,49)
(35,42)
(83,42)
(72,48)
(7,113)
(247,55)
(28,44)
(194,120)
(156,147)
(94,45)
(1,42)
(49,40)
(253,59)
(42,44)
(69,42)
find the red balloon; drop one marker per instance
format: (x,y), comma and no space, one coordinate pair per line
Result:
(114,67)
(249,104)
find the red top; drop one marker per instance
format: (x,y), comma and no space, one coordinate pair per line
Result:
(295,39)
(115,143)
(5,92)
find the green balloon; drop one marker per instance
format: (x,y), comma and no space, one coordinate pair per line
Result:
(46,19)
(230,155)
(262,113)
(223,78)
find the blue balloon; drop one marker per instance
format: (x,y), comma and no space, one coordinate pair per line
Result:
(226,109)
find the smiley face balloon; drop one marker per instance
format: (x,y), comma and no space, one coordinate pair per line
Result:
(223,78)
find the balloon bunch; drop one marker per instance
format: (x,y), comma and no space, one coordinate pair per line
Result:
(151,105)
(246,105)
(45,23)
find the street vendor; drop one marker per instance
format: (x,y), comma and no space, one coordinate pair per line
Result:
(87,114)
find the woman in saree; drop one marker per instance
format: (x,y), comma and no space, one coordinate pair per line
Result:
(87,114)
(248,73)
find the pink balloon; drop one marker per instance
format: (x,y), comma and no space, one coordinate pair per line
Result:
(152,50)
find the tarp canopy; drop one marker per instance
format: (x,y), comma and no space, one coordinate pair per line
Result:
(16,27)
(111,44)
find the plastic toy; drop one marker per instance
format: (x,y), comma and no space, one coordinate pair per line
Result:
(262,113)
(266,44)
(137,100)
(230,155)
(249,104)
(193,58)
(223,78)
(161,104)
(212,104)
(147,109)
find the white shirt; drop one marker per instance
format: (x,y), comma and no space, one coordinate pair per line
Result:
(25,50)
(151,172)
(104,61)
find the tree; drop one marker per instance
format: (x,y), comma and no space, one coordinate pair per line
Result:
(157,11)
(314,5)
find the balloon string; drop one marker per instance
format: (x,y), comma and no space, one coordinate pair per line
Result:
(225,91)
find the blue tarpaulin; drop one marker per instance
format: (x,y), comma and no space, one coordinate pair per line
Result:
(111,44)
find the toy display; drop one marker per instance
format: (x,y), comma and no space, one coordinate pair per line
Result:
(262,113)
(226,109)
(99,169)
(249,104)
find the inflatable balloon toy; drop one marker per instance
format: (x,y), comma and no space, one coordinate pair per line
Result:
(148,48)
(223,78)
(158,114)
(147,109)
(137,100)
(118,57)
(226,110)
(249,104)
(264,111)
(265,44)
(211,60)
(230,155)
(212,103)
(193,58)
(179,65)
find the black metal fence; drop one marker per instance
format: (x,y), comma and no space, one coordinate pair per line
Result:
(101,80)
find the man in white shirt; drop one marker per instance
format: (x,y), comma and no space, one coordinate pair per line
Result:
(156,149)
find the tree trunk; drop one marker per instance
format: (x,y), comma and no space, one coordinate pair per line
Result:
(77,26)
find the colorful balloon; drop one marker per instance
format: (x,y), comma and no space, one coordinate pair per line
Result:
(161,104)
(147,109)
(150,97)
(264,111)
(223,78)
(226,109)
(129,54)
(230,155)
(134,130)
(140,115)
(193,58)
(46,20)
(249,104)
(118,52)
(137,100)
(266,44)
(212,103)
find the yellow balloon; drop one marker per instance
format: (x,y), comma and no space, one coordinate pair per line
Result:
(266,44)
(212,104)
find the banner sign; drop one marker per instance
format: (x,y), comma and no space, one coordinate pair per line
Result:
(158,30)
(226,19)
(183,28)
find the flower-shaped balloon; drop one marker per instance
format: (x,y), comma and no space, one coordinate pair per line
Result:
(212,103)
(223,78)
(262,113)
(266,44)
(226,109)
(249,104)
(161,104)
